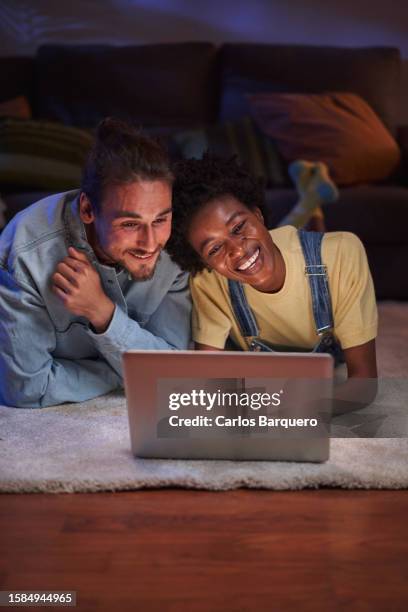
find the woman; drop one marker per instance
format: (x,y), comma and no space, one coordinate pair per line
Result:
(255,286)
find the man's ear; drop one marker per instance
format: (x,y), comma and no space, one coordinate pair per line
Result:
(258,214)
(86,211)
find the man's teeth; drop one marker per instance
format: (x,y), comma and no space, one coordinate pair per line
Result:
(141,256)
(249,261)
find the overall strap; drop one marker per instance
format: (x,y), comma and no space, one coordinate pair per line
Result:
(242,311)
(316,272)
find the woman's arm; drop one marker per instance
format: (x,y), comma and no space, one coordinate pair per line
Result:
(205,347)
(360,389)
(361,360)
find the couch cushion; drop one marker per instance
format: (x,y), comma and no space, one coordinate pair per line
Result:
(378,215)
(386,263)
(164,84)
(337,128)
(234,103)
(373,73)
(16,77)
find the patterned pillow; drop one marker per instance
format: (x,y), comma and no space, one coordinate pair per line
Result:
(41,155)
(242,138)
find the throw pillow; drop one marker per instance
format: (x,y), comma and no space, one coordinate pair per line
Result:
(340,129)
(42,155)
(240,138)
(19,108)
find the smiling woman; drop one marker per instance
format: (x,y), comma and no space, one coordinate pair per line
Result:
(233,240)
(279,289)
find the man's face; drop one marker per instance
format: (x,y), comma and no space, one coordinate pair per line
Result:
(234,241)
(132,227)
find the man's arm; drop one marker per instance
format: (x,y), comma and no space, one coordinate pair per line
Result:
(29,376)
(78,285)
(169,327)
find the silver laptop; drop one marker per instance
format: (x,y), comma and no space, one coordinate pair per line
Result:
(229,405)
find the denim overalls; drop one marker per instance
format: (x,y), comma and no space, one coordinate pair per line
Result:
(316,272)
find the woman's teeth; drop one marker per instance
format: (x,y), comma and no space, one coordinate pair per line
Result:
(249,262)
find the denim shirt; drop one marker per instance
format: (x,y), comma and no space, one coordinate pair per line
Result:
(48,355)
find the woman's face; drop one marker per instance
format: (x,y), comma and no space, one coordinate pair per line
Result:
(234,241)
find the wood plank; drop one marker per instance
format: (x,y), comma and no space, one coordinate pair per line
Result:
(205,551)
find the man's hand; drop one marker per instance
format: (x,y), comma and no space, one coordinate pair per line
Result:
(77,284)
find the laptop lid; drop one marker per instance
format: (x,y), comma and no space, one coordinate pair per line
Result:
(229,405)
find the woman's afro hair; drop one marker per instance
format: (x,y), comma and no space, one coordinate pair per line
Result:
(198,182)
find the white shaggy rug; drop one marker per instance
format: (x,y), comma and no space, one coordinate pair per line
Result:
(86,447)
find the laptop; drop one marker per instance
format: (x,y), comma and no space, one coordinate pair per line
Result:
(229,405)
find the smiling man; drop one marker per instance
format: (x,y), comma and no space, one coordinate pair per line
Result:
(84,277)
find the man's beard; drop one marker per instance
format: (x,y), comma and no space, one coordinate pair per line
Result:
(143,277)
(105,258)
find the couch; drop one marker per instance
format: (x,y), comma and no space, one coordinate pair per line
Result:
(171,88)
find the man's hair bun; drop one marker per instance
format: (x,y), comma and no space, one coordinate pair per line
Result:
(121,154)
(110,131)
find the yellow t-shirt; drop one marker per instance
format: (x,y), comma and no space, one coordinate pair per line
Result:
(286,317)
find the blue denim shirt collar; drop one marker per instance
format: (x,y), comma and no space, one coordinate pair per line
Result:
(75,232)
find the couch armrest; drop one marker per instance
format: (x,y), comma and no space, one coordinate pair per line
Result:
(402,139)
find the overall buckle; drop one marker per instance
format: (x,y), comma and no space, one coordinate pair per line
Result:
(316,270)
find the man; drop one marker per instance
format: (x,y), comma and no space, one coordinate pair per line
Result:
(84,277)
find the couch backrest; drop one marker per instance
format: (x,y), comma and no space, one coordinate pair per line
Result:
(183,84)
(166,84)
(16,77)
(373,73)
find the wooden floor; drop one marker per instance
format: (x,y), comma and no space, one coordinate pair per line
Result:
(190,550)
